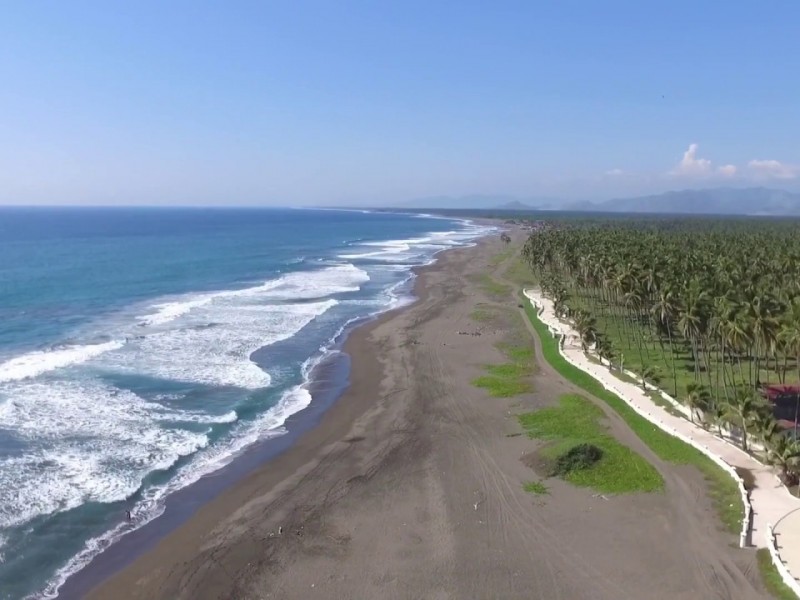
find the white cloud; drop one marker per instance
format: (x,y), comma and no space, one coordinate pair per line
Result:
(691,165)
(727,170)
(615,172)
(773,169)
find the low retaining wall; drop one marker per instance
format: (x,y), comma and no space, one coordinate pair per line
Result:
(744,535)
(772,546)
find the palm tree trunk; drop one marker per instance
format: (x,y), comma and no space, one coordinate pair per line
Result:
(725,372)
(695,359)
(797,400)
(672,354)
(784,367)
(741,369)
(707,361)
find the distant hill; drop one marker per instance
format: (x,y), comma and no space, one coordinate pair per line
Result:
(483,201)
(516,205)
(717,201)
(713,201)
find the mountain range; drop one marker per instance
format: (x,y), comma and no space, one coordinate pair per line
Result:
(716,201)
(481,201)
(711,201)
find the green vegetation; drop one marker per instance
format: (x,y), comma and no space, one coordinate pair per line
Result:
(709,310)
(482,314)
(724,489)
(771,578)
(519,273)
(519,354)
(577,458)
(536,487)
(576,421)
(501,257)
(501,385)
(492,287)
(509,379)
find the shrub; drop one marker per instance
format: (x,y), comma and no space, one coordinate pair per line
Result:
(577,458)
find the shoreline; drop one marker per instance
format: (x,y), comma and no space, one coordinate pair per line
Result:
(329,381)
(413,485)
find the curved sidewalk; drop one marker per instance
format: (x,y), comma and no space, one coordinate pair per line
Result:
(771,502)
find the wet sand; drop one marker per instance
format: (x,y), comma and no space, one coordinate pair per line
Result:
(411,487)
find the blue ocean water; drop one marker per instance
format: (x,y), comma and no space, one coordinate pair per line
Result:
(141,349)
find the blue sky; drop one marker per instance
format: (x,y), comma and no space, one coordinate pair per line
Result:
(377,102)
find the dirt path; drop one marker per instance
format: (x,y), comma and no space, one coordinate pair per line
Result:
(412,488)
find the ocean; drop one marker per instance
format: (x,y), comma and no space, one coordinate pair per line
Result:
(141,349)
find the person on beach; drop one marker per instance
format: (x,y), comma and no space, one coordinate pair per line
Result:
(128,516)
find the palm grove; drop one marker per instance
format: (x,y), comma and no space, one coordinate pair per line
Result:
(708,310)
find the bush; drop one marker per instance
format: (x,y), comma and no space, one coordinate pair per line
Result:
(576,458)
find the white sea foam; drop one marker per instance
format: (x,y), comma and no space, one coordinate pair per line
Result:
(212,345)
(305,285)
(41,361)
(208,338)
(206,461)
(203,463)
(169,311)
(415,250)
(87,442)
(299,285)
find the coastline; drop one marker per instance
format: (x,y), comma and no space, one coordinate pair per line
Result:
(329,381)
(413,486)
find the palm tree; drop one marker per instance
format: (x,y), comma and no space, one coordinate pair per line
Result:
(605,349)
(692,319)
(784,453)
(763,326)
(649,373)
(765,427)
(722,320)
(664,309)
(716,415)
(586,325)
(790,336)
(743,410)
(697,399)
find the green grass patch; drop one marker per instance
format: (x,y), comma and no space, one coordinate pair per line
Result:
(519,272)
(509,379)
(723,488)
(482,315)
(771,578)
(492,287)
(501,257)
(536,487)
(577,421)
(508,370)
(519,354)
(501,387)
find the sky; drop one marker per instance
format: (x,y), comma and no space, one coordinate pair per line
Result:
(343,102)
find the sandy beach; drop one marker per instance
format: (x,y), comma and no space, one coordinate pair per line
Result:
(411,486)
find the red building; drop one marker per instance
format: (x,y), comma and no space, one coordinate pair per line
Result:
(785,401)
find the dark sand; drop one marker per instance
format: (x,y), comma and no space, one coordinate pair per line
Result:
(410,487)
